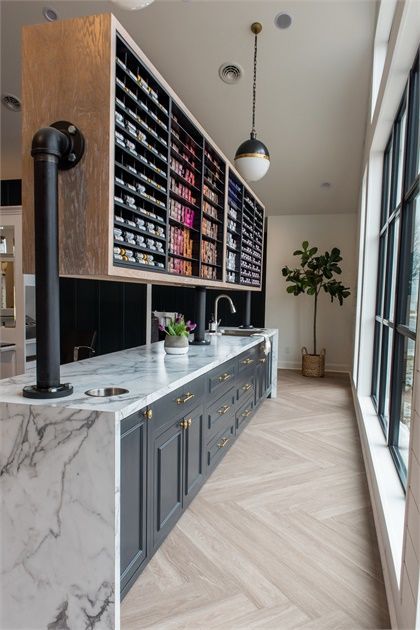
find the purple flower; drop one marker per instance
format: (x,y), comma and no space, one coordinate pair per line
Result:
(161,327)
(190,326)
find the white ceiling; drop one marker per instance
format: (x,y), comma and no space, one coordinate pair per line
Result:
(313,84)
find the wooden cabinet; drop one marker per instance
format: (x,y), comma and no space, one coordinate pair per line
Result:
(133,511)
(153,198)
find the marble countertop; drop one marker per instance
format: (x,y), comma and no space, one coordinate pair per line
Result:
(146,371)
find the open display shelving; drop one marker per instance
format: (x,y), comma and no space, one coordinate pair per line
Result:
(154,199)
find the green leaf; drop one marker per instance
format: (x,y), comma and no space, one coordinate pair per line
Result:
(297,252)
(290,289)
(305,245)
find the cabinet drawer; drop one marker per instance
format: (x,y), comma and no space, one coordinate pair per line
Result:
(247,359)
(244,413)
(220,444)
(219,410)
(221,379)
(178,403)
(246,386)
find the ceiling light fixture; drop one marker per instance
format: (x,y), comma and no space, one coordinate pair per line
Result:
(326,185)
(283,20)
(132,5)
(252,158)
(50,14)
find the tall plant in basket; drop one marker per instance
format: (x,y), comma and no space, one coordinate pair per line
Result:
(316,273)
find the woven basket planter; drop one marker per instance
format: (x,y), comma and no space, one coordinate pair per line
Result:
(313,364)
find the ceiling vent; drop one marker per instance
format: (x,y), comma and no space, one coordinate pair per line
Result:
(283,20)
(230,73)
(11,102)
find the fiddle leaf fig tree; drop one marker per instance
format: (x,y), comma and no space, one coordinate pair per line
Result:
(316,272)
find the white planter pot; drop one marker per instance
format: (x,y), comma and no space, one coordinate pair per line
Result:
(176,345)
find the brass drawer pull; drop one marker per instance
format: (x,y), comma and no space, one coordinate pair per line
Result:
(263,360)
(247,361)
(223,409)
(184,424)
(246,413)
(247,387)
(223,442)
(188,396)
(189,421)
(148,414)
(224,377)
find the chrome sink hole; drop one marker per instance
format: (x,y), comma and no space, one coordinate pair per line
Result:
(107,391)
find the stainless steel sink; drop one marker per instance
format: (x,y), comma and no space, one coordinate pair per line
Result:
(107,391)
(241,332)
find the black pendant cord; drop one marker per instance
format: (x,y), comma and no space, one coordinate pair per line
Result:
(254,89)
(54,148)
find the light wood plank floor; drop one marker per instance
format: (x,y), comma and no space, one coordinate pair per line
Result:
(281,536)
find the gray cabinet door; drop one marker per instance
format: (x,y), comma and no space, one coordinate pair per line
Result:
(133,496)
(194,455)
(167,454)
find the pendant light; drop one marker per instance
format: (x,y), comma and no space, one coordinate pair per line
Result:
(252,158)
(133,5)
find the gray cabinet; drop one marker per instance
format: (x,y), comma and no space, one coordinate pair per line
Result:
(166,455)
(169,449)
(176,453)
(133,496)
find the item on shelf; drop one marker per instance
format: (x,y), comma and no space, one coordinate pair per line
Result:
(119,219)
(209,229)
(140,188)
(180,242)
(210,194)
(208,253)
(179,266)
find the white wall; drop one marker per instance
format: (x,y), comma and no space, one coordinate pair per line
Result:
(293,316)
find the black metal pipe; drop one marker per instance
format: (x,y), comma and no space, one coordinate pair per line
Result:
(52,149)
(200,315)
(247,319)
(47,286)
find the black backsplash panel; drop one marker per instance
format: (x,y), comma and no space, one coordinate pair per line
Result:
(116,311)
(11,192)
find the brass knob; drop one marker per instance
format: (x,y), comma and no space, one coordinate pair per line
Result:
(247,387)
(223,442)
(148,414)
(247,361)
(224,377)
(184,424)
(183,399)
(263,360)
(189,421)
(246,413)
(223,409)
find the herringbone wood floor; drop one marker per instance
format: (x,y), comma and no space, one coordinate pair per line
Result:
(281,536)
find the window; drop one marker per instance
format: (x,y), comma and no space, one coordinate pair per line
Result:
(398,278)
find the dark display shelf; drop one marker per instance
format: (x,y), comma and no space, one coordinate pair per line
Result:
(171,209)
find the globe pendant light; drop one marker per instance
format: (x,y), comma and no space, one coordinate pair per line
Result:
(252,158)
(133,5)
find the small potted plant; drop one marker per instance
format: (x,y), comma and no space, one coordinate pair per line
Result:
(177,333)
(316,273)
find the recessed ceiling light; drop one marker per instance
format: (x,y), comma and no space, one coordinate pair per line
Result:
(283,20)
(50,14)
(12,102)
(326,185)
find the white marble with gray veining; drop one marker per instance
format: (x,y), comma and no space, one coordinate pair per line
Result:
(59,484)
(146,371)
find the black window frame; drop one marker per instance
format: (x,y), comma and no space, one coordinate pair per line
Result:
(396,221)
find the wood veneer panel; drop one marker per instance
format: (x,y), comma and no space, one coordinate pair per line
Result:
(66,70)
